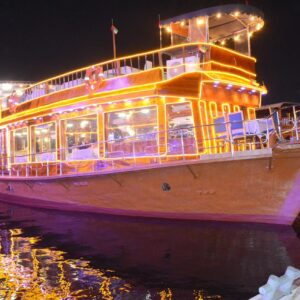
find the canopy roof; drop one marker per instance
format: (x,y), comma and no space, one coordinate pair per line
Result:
(279,105)
(225,20)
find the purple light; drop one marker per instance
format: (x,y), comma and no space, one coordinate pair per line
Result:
(291,205)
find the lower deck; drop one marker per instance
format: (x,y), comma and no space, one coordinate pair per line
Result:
(263,186)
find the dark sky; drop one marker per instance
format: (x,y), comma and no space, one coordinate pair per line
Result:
(41,38)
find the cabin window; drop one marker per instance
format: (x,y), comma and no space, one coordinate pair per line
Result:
(19,146)
(251,113)
(80,138)
(43,142)
(206,130)
(213,110)
(131,132)
(181,131)
(236,108)
(225,109)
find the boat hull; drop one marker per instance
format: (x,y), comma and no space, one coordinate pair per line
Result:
(264,189)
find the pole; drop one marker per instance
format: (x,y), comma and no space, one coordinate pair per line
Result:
(116,63)
(172,38)
(160,32)
(113,38)
(249,41)
(295,123)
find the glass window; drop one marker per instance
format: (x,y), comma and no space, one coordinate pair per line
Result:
(80,138)
(181,137)
(43,142)
(131,132)
(213,110)
(225,109)
(236,108)
(198,29)
(251,113)
(241,42)
(19,147)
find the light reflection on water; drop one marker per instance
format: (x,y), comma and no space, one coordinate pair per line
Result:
(54,255)
(30,272)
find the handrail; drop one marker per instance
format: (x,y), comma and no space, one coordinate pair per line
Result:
(161,50)
(111,68)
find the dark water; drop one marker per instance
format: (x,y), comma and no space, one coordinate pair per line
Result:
(54,255)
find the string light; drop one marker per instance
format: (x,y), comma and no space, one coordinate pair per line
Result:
(237,37)
(19,93)
(219,15)
(200,21)
(169,29)
(237,13)
(258,26)
(223,42)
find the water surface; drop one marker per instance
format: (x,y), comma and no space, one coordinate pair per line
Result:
(54,255)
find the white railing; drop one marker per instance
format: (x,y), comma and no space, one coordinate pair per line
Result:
(173,61)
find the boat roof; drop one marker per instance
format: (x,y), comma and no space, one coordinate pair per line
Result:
(278,105)
(224,20)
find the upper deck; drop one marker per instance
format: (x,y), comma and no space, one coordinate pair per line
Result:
(200,49)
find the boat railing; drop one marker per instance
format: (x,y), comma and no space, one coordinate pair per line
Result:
(173,61)
(152,149)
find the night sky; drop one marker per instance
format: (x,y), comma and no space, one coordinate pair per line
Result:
(43,38)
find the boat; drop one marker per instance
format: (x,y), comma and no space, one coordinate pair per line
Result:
(169,133)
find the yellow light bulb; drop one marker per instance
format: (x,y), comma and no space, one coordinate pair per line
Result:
(223,43)
(252,18)
(200,21)
(219,15)
(258,26)
(237,13)
(169,29)
(236,38)
(182,23)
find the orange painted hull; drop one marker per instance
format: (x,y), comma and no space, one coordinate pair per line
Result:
(259,189)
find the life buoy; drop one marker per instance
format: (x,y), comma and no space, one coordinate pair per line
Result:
(93,78)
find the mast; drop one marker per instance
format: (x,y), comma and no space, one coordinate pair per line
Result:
(113,38)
